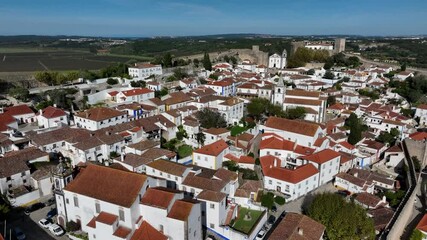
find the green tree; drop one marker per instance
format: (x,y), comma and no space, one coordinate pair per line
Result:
(329,75)
(403,67)
(331,100)
(196,62)
(4,211)
(417,163)
(417,235)
(207,64)
(19,93)
(333,211)
(211,119)
(167,60)
(180,73)
(161,93)
(112,81)
(267,200)
(200,138)
(233,60)
(356,129)
(295,113)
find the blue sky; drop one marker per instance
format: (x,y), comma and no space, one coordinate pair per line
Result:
(198,17)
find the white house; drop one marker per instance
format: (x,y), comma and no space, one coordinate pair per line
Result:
(99,117)
(211,155)
(51,117)
(144,70)
(301,132)
(421,112)
(294,183)
(327,161)
(134,95)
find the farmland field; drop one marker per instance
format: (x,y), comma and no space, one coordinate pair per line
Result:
(29,61)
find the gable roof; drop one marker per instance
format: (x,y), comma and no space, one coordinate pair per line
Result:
(52,112)
(159,197)
(18,110)
(180,210)
(136,91)
(213,149)
(299,127)
(107,184)
(168,167)
(100,113)
(322,157)
(212,196)
(295,226)
(147,232)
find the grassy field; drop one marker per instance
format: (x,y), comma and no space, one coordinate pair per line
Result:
(244,226)
(236,130)
(18,60)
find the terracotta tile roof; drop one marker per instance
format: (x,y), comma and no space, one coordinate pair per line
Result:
(10,166)
(241,159)
(134,160)
(18,110)
(158,197)
(95,141)
(144,145)
(107,184)
(181,210)
(211,196)
(277,143)
(296,226)
(368,199)
(302,93)
(146,65)
(322,157)
(347,145)
(131,106)
(304,150)
(345,157)
(371,176)
(122,232)
(395,148)
(422,106)
(422,224)
(213,149)
(381,216)
(92,223)
(156,101)
(173,168)
(225,174)
(320,141)
(352,179)
(216,131)
(137,91)
(206,183)
(147,232)
(157,153)
(248,187)
(5,121)
(100,113)
(337,106)
(299,127)
(53,112)
(113,93)
(106,218)
(373,144)
(419,136)
(301,101)
(287,175)
(177,97)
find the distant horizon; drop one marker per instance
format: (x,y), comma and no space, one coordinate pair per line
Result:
(213,35)
(150,18)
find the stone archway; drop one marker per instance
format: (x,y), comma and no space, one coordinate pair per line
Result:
(61,221)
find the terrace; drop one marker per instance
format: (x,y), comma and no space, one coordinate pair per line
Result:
(246,220)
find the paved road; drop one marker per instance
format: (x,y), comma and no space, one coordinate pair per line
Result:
(29,225)
(368,61)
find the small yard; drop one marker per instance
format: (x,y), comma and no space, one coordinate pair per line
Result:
(184,151)
(236,130)
(246,220)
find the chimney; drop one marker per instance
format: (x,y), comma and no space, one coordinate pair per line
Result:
(122,157)
(384,199)
(41,112)
(54,105)
(275,162)
(356,174)
(300,231)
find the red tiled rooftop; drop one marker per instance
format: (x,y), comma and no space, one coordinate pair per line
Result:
(213,149)
(106,218)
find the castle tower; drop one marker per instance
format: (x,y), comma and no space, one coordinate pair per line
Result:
(279,92)
(339,45)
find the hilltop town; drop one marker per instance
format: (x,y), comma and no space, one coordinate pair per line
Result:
(238,146)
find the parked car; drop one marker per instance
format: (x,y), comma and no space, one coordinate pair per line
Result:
(343,193)
(260,235)
(271,220)
(51,213)
(45,223)
(51,201)
(56,230)
(19,234)
(34,207)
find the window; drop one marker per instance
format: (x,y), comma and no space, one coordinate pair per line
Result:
(212,206)
(76,201)
(121,214)
(270,182)
(97,207)
(161,228)
(67,201)
(54,145)
(8,178)
(212,225)
(203,213)
(24,181)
